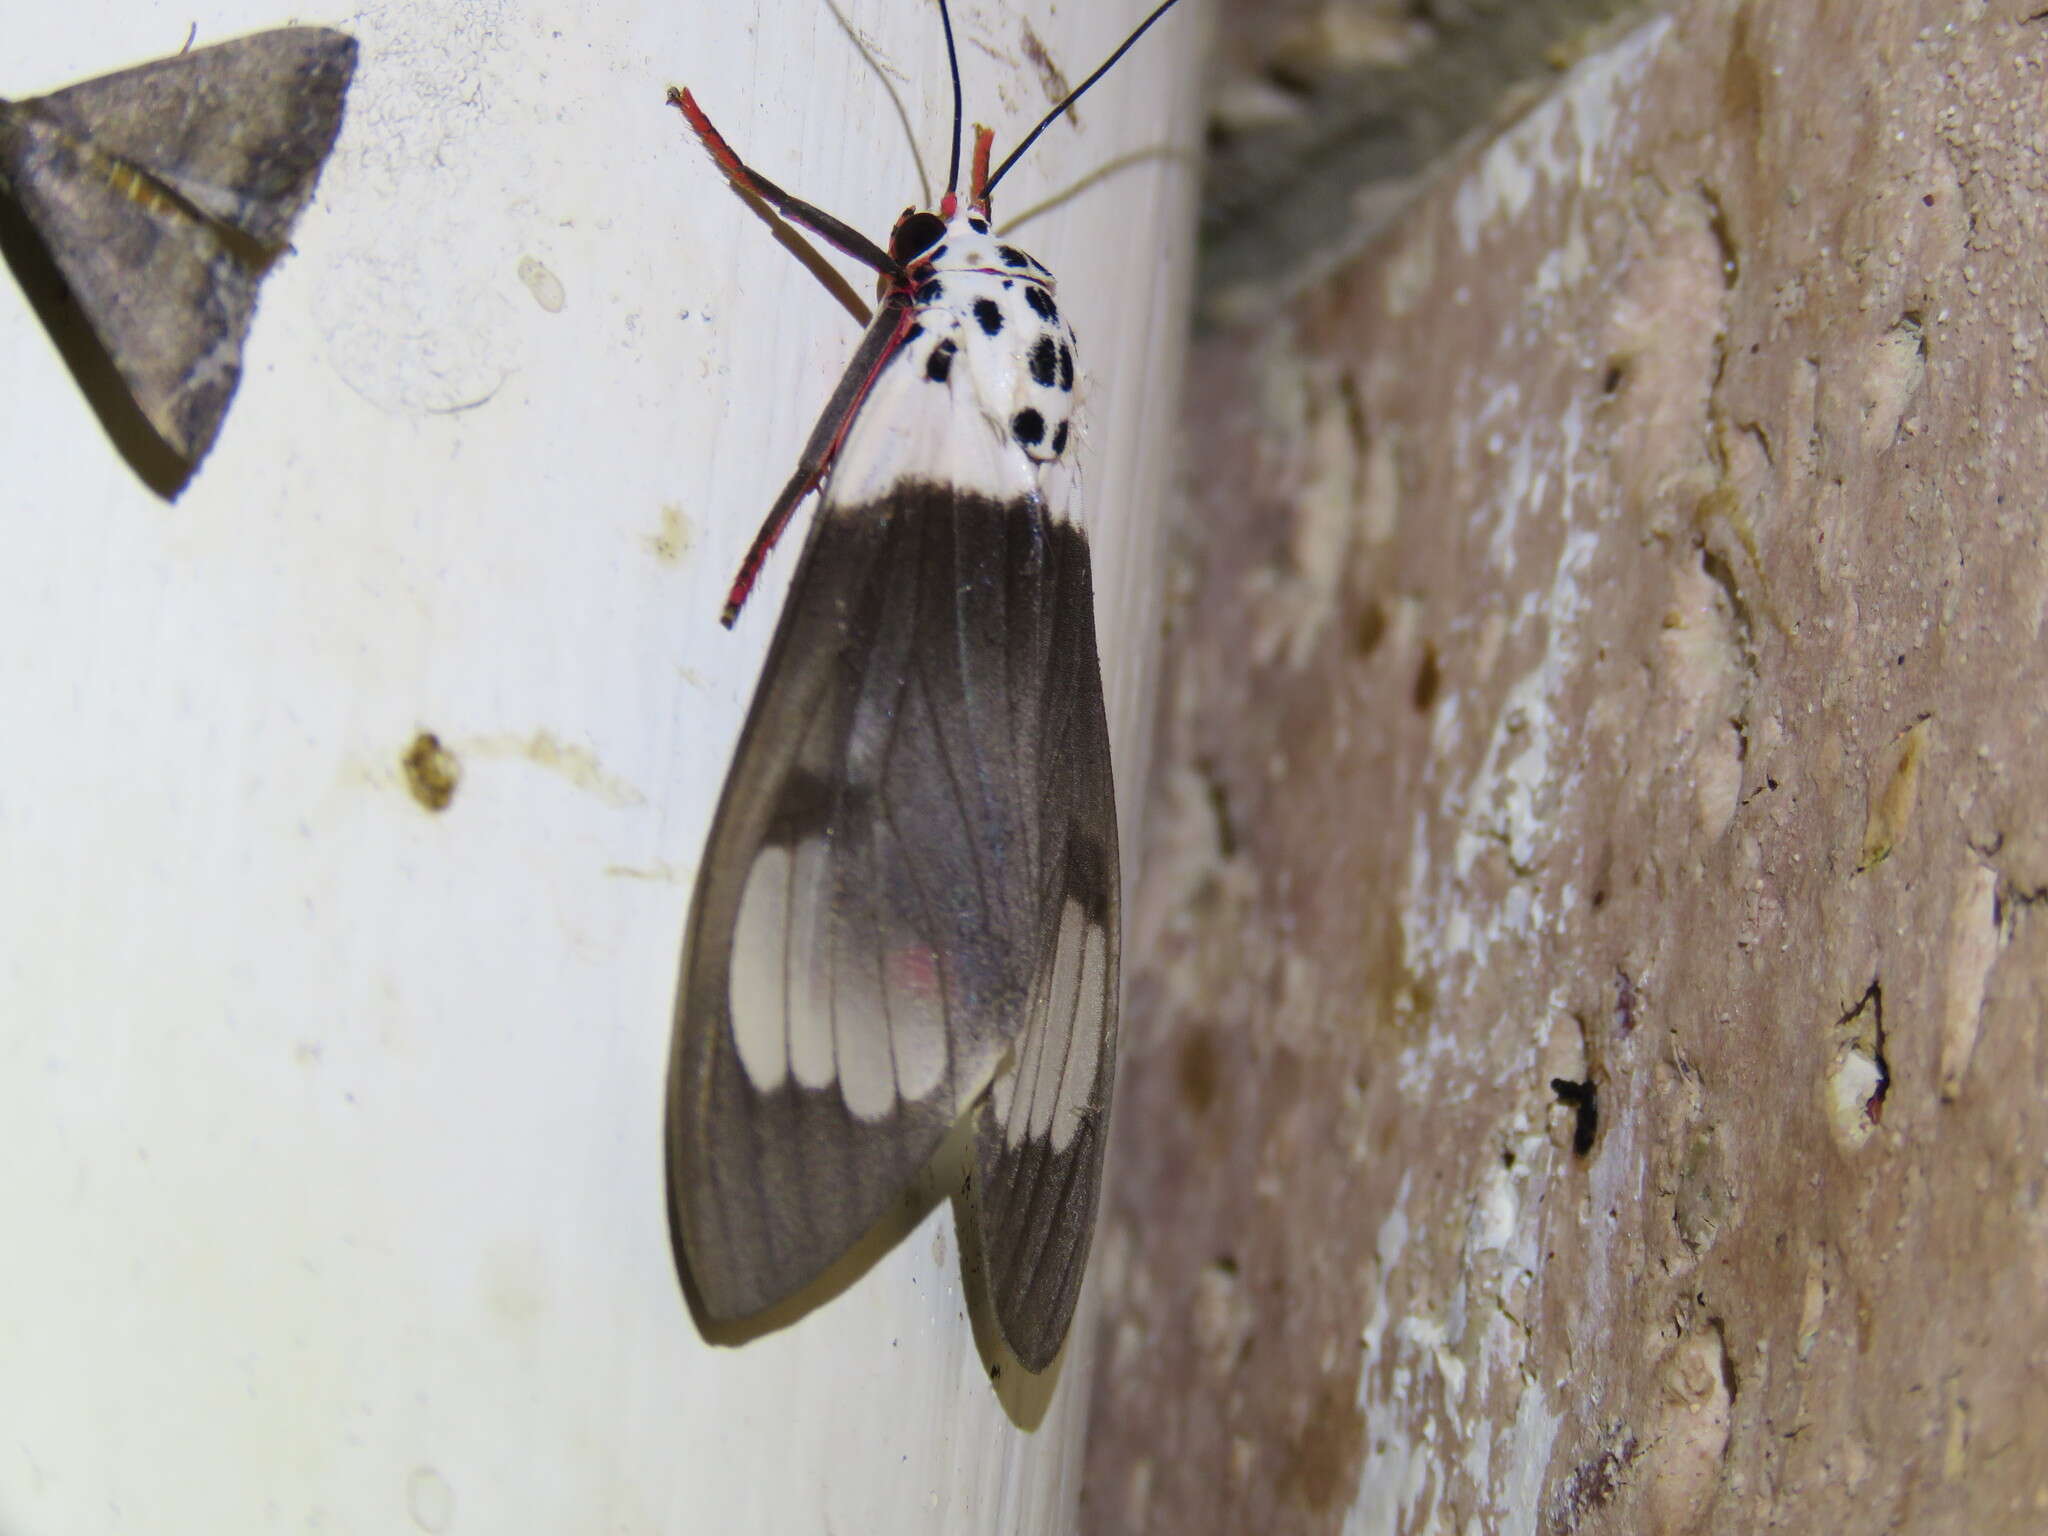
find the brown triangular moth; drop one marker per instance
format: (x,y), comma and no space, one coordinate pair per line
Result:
(163,193)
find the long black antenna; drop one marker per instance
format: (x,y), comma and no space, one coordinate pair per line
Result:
(1057,112)
(953,64)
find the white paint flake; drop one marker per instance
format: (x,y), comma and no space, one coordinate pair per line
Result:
(1507,803)
(1462,1345)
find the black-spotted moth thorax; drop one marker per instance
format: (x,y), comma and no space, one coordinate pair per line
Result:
(986,305)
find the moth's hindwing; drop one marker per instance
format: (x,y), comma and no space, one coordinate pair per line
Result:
(1043,1129)
(920,792)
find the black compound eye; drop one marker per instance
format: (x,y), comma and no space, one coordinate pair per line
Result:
(915,233)
(1029,427)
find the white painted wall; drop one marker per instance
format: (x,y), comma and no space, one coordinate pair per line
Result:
(332,1181)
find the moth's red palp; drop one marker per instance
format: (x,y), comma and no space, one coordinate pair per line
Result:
(977,182)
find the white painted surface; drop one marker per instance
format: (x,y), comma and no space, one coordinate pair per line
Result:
(333,1188)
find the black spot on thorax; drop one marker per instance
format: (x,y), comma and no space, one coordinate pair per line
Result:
(1044,362)
(989,315)
(1029,427)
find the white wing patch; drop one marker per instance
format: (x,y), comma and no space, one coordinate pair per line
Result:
(1084,1035)
(818,1004)
(809,1021)
(917,1020)
(1044,1093)
(867,1074)
(757,988)
(1049,1031)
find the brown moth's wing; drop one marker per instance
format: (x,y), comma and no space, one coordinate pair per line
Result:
(865,936)
(164,192)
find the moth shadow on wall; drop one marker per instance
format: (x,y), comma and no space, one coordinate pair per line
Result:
(155,462)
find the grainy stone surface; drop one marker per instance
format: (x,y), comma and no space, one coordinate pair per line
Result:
(1610,652)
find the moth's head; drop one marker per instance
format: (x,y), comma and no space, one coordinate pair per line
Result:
(920,233)
(925,242)
(917,231)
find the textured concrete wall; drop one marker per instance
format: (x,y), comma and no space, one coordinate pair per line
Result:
(1609,653)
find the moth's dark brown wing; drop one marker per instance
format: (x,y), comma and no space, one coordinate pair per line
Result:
(868,926)
(1042,1131)
(162,194)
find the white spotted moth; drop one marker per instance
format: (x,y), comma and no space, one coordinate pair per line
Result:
(908,905)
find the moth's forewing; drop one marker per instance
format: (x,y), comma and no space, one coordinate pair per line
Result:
(867,928)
